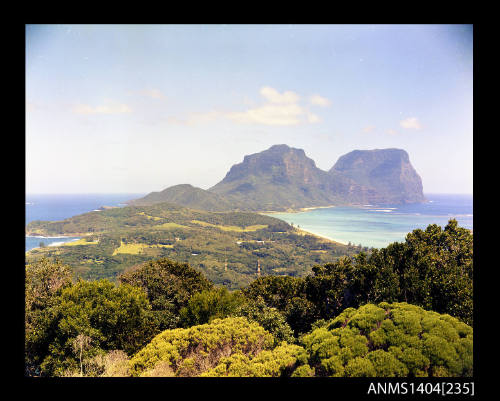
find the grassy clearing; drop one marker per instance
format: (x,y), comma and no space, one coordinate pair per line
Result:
(136,249)
(133,249)
(231,228)
(150,217)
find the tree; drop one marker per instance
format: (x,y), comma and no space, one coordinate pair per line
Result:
(433,268)
(44,281)
(207,305)
(169,286)
(114,318)
(288,295)
(81,343)
(388,340)
(269,318)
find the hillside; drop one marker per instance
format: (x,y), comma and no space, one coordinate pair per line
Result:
(188,196)
(283,178)
(117,239)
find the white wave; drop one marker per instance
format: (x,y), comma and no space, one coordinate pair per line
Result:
(62,242)
(56,243)
(380,210)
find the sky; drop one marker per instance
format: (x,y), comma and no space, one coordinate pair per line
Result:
(139,108)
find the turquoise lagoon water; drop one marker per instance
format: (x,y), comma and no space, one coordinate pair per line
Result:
(378,226)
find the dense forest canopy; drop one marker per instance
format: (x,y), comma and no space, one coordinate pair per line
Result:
(403,310)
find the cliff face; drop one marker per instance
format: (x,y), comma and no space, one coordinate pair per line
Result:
(386,173)
(282,177)
(277,178)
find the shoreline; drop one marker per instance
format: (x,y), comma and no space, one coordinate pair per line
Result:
(302,209)
(304,231)
(71,238)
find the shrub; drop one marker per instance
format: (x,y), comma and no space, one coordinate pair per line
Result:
(207,305)
(197,349)
(391,340)
(281,361)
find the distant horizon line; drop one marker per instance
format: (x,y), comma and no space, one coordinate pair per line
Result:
(141,193)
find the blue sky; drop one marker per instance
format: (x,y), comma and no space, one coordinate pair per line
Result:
(138,108)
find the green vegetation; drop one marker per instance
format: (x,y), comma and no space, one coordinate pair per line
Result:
(125,237)
(280,361)
(404,310)
(231,228)
(207,305)
(81,320)
(192,351)
(388,340)
(432,269)
(189,196)
(169,287)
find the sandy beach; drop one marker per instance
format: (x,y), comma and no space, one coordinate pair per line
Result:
(302,209)
(320,236)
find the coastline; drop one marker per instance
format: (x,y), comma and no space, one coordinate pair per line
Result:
(304,232)
(39,235)
(302,209)
(64,239)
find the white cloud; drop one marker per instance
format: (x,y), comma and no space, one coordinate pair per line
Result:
(269,114)
(279,109)
(410,123)
(274,96)
(313,118)
(318,100)
(110,108)
(368,129)
(391,132)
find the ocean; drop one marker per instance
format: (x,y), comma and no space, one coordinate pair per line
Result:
(61,206)
(377,227)
(368,225)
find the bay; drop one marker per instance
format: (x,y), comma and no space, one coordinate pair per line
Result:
(378,226)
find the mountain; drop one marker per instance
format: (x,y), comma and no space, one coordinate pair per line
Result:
(282,178)
(388,173)
(277,178)
(188,196)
